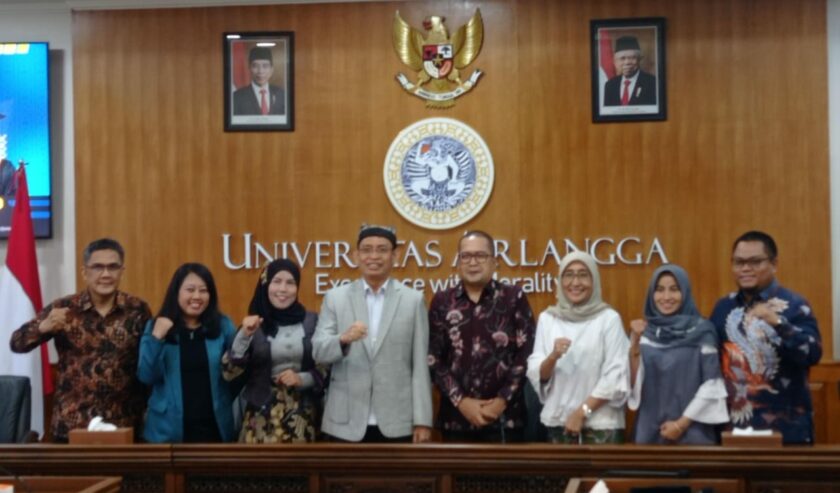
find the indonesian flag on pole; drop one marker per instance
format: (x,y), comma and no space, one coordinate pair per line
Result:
(606,65)
(20,300)
(240,66)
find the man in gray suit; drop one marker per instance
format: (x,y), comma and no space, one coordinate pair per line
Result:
(375,333)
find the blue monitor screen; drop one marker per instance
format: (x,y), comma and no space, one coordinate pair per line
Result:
(25,131)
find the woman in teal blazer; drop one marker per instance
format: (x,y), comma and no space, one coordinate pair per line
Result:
(181,359)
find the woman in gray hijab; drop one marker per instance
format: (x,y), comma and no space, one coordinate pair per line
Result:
(674,366)
(579,365)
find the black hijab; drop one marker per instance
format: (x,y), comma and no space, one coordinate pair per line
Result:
(260,304)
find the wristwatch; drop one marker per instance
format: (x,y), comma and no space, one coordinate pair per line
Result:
(587,411)
(782,321)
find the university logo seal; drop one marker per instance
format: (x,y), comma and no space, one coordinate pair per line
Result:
(436,58)
(438,173)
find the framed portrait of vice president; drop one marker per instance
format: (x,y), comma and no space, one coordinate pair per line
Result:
(259,81)
(628,69)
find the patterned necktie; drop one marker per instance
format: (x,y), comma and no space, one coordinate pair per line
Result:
(625,96)
(264,102)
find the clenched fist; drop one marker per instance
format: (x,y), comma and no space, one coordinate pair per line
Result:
(637,329)
(355,332)
(251,323)
(561,346)
(56,319)
(161,327)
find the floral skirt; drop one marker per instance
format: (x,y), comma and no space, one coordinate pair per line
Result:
(290,417)
(588,436)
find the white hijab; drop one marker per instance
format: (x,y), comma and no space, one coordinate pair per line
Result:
(564,309)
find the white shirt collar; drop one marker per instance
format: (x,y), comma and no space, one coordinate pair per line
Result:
(369,290)
(634,78)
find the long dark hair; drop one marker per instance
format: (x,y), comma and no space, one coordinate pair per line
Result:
(210,318)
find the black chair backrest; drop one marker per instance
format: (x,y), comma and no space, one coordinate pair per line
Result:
(661,489)
(15,408)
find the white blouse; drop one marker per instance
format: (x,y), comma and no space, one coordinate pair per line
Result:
(596,365)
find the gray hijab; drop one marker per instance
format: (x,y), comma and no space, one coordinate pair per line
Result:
(685,327)
(587,310)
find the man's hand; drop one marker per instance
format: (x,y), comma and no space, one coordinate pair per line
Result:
(355,332)
(289,378)
(764,312)
(471,409)
(422,434)
(251,323)
(55,320)
(492,409)
(161,327)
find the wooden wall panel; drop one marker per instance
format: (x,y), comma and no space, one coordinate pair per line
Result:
(745,144)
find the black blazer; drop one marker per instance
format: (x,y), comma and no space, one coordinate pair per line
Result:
(7,178)
(643,93)
(245,102)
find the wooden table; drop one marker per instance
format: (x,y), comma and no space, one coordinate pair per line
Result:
(431,468)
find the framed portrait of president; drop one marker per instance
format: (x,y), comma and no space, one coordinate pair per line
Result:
(628,69)
(259,81)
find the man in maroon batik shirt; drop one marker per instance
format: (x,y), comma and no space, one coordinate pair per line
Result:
(481,334)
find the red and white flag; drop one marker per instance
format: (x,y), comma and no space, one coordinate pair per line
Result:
(20,300)
(606,65)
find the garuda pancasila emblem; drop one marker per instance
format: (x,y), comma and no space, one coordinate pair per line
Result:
(437,58)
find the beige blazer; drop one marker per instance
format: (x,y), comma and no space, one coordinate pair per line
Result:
(390,376)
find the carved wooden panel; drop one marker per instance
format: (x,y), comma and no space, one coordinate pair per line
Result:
(524,483)
(246,484)
(794,487)
(143,483)
(378,484)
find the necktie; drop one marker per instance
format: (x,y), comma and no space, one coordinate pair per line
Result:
(625,96)
(264,102)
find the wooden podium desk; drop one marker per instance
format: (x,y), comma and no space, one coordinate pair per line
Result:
(64,484)
(625,485)
(428,468)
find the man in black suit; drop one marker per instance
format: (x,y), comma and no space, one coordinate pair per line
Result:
(632,86)
(259,97)
(7,178)
(7,174)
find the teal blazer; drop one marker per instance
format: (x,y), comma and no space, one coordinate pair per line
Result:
(160,367)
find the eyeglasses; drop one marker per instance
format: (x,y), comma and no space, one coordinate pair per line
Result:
(100,268)
(380,250)
(752,263)
(582,276)
(479,257)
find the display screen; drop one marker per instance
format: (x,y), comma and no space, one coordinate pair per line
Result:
(25,131)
